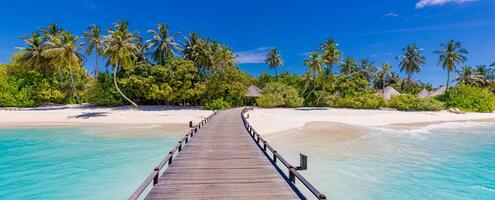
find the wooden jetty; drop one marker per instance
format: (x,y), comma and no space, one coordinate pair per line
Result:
(223,158)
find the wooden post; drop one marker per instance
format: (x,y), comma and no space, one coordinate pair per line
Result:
(303,162)
(264,145)
(180,146)
(187,138)
(171,157)
(190,124)
(292,176)
(155,179)
(274,156)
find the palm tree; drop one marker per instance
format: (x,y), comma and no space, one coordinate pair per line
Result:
(32,55)
(164,44)
(121,50)
(385,74)
(65,52)
(315,67)
(190,45)
(223,57)
(93,42)
(485,73)
(274,60)
(368,69)
(314,64)
(330,53)
(412,60)
(348,67)
(467,75)
(452,54)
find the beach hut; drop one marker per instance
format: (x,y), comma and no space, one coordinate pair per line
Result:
(424,93)
(439,91)
(252,94)
(388,93)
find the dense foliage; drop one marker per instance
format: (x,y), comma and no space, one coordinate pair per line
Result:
(279,95)
(165,70)
(469,98)
(409,102)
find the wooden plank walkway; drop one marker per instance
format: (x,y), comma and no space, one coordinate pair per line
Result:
(222,162)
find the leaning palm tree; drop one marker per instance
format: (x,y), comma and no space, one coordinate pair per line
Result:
(274,60)
(31,55)
(65,52)
(223,57)
(330,53)
(121,50)
(467,75)
(452,54)
(93,42)
(315,67)
(385,74)
(189,46)
(412,60)
(348,66)
(163,44)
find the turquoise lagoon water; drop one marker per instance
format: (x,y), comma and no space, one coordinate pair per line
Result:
(446,161)
(74,163)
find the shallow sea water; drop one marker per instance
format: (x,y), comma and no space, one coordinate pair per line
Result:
(75,163)
(445,161)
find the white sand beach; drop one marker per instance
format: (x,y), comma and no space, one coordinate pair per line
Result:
(91,115)
(270,121)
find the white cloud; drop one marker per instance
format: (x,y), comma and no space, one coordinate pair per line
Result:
(390,14)
(425,3)
(252,56)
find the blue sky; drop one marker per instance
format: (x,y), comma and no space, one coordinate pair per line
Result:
(374,29)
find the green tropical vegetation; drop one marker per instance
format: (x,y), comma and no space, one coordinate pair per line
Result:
(163,68)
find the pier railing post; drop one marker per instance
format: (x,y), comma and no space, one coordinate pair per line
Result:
(171,157)
(155,179)
(292,176)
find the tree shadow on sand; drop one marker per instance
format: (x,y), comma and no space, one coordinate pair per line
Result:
(88,115)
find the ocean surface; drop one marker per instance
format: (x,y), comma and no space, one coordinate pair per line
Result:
(444,161)
(76,163)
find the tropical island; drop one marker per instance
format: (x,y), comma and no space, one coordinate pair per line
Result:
(131,109)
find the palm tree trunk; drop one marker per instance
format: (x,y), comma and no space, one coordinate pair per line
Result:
(276,74)
(118,89)
(448,80)
(73,83)
(97,71)
(60,78)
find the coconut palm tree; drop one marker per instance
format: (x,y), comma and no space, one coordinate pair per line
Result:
(190,45)
(32,54)
(163,44)
(467,75)
(315,67)
(274,60)
(223,57)
(412,60)
(314,64)
(330,53)
(385,74)
(121,51)
(348,66)
(368,69)
(451,54)
(64,51)
(93,42)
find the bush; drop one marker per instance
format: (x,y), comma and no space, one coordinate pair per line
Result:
(409,102)
(279,95)
(101,91)
(218,104)
(469,98)
(363,101)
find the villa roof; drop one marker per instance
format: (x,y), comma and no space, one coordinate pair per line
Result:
(389,92)
(424,93)
(437,92)
(253,91)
